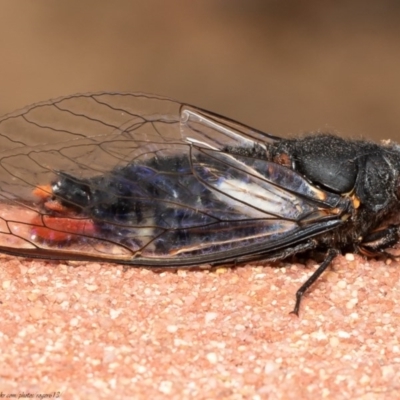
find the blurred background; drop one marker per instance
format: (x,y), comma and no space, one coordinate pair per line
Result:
(285,67)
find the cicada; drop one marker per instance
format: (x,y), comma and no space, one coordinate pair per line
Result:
(145,181)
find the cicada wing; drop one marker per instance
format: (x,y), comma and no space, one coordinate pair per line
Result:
(251,206)
(219,132)
(177,196)
(94,133)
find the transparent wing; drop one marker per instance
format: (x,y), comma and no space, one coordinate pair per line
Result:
(140,179)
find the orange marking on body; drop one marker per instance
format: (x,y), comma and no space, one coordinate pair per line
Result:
(283,159)
(56,229)
(43,192)
(55,205)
